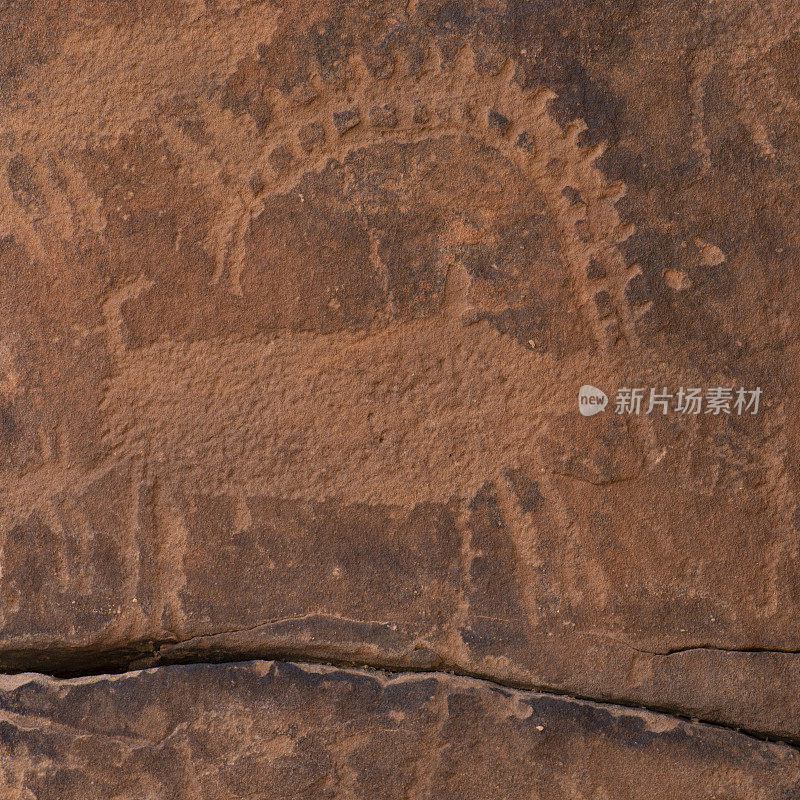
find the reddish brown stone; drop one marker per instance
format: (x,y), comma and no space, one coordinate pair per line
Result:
(295,303)
(272,729)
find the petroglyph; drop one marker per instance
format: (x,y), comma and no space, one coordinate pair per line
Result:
(317,122)
(323,121)
(408,411)
(80,100)
(433,406)
(420,410)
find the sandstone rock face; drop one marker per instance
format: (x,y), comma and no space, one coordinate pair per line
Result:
(271,729)
(296,300)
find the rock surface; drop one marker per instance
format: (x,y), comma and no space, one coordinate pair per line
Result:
(295,303)
(274,729)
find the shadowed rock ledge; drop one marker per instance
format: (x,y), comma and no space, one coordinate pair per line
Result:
(276,729)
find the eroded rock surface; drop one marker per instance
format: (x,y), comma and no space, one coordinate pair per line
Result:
(273,729)
(295,303)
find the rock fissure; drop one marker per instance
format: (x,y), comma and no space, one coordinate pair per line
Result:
(154,657)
